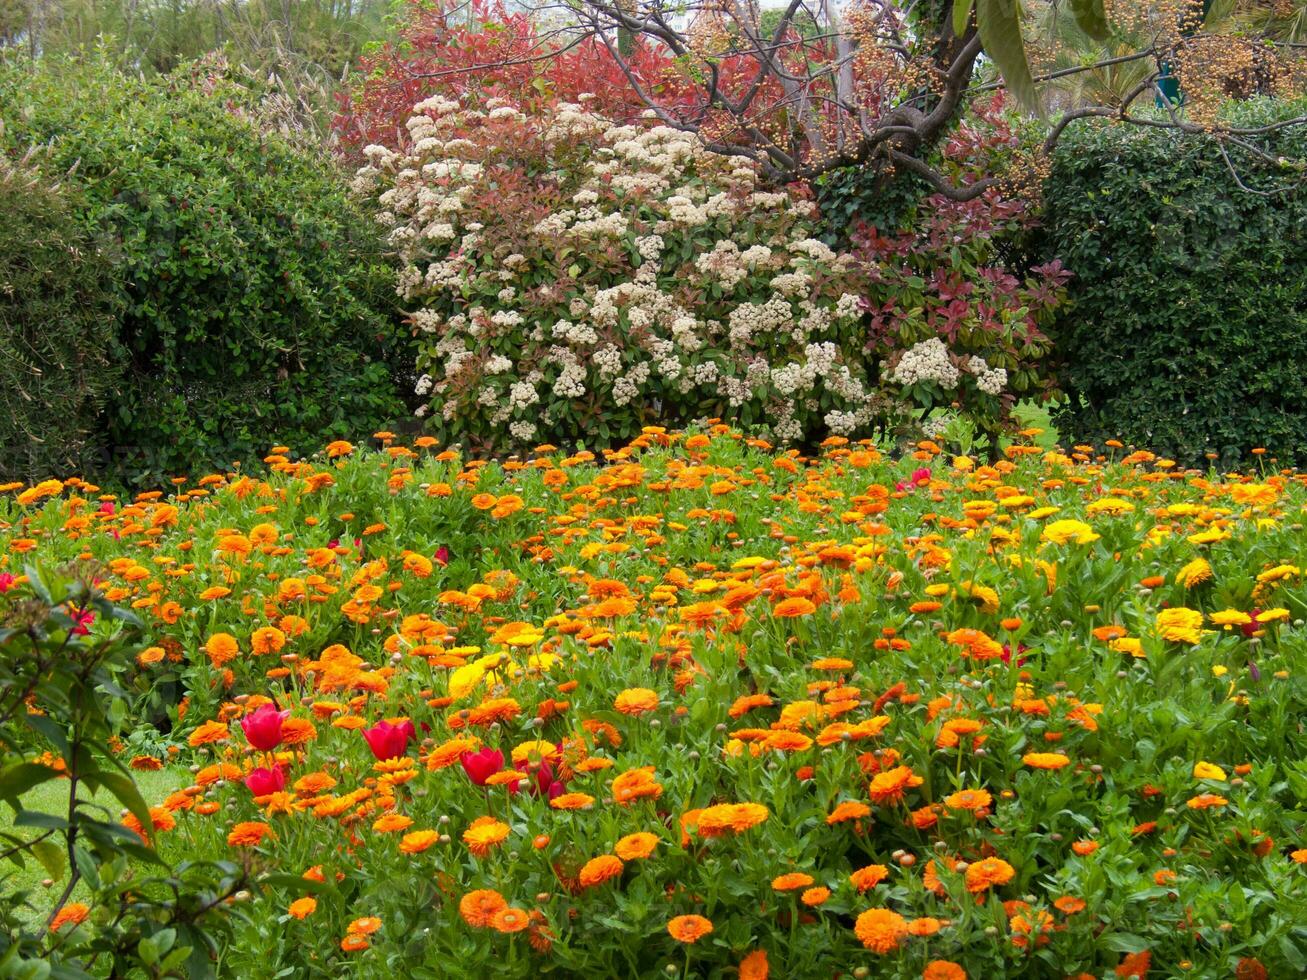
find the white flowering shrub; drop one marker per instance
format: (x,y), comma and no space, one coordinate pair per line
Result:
(571,279)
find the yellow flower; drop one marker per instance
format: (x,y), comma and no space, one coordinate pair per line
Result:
(1180,625)
(1208,770)
(1194,573)
(1278,573)
(1110,505)
(1068,531)
(1230,617)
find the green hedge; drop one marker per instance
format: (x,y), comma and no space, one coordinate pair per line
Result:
(1187,328)
(58,300)
(257,305)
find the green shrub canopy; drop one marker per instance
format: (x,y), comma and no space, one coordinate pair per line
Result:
(57,304)
(1187,329)
(256,302)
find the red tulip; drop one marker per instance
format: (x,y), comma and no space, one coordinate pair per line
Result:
(264,782)
(389,741)
(263,727)
(481,765)
(442,555)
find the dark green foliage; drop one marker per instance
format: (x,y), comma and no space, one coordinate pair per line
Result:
(58,296)
(1187,327)
(257,303)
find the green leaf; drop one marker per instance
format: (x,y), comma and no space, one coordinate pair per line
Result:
(18,779)
(999,23)
(51,857)
(127,794)
(961,16)
(1091,18)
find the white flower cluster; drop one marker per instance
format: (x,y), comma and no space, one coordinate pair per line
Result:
(989,380)
(926,361)
(611,297)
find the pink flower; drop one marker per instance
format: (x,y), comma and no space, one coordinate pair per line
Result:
(84,618)
(920,477)
(389,741)
(481,765)
(263,727)
(265,782)
(7,581)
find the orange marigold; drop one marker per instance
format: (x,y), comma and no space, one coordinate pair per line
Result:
(634,847)
(249,833)
(479,908)
(598,870)
(636,701)
(887,788)
(510,920)
(881,930)
(689,928)
(988,872)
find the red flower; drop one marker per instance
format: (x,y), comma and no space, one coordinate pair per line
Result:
(389,741)
(7,581)
(264,782)
(442,555)
(481,765)
(263,727)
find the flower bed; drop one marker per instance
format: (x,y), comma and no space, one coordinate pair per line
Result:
(703,707)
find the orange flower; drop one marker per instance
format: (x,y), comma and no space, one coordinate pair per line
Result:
(248,834)
(1085,847)
(755,966)
(738,817)
(1135,964)
(572,801)
(793,607)
(881,930)
(598,870)
(365,926)
(267,639)
(635,784)
(887,788)
(988,872)
(391,822)
(208,733)
(1069,904)
(302,908)
(689,928)
(510,920)
(968,799)
(792,881)
(1045,760)
(1205,801)
(943,970)
(636,701)
(634,847)
(848,810)
(869,877)
(815,896)
(74,912)
(479,908)
(418,841)
(483,834)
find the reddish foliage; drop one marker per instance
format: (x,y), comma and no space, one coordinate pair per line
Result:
(492,54)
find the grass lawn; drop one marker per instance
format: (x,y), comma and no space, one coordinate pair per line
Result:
(52,797)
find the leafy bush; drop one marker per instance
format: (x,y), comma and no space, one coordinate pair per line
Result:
(256,300)
(581,279)
(957,311)
(1186,331)
(64,650)
(57,303)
